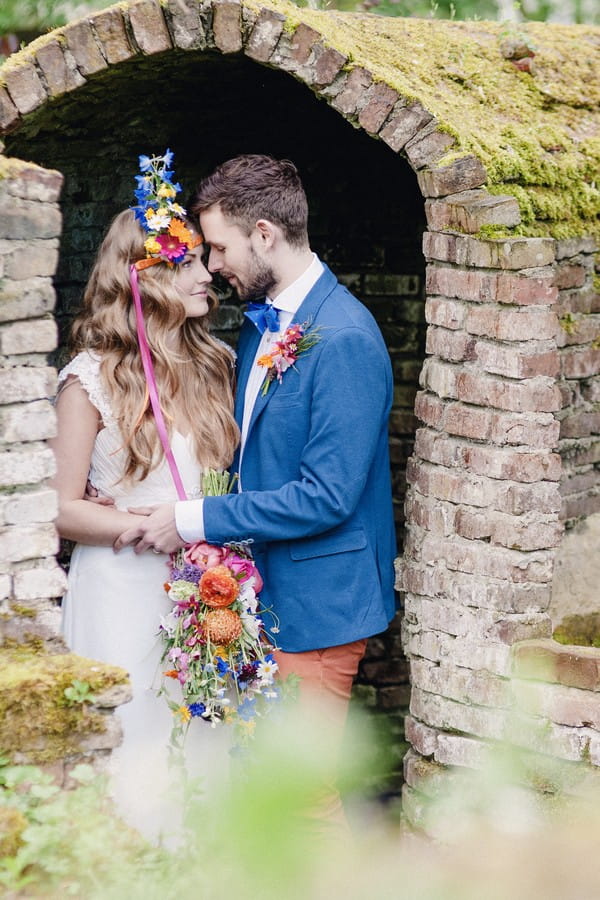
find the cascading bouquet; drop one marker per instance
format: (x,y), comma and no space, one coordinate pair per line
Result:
(214,644)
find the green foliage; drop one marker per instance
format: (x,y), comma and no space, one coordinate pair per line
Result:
(79,692)
(24,17)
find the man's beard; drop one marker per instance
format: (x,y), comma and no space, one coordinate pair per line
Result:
(261,280)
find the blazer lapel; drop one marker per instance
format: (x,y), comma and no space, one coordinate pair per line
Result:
(307,312)
(247,352)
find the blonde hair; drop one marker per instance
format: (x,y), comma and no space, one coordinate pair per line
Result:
(195,380)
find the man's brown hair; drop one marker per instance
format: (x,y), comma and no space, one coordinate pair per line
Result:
(252,187)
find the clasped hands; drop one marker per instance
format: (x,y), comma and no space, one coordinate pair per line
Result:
(156,530)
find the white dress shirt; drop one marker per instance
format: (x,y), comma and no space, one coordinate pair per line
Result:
(189,519)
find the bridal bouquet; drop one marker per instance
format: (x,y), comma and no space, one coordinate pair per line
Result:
(214,643)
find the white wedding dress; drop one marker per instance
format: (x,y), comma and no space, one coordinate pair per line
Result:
(112,612)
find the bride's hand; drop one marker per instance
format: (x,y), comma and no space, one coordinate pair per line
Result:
(156,531)
(91,494)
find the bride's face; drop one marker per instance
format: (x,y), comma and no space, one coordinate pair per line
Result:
(191,281)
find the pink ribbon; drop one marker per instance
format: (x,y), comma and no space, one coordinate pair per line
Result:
(151,379)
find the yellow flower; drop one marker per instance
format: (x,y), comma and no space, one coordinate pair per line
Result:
(177,209)
(150,212)
(151,245)
(184,714)
(165,190)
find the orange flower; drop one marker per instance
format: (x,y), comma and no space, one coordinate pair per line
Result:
(179,230)
(266,360)
(172,673)
(218,587)
(222,626)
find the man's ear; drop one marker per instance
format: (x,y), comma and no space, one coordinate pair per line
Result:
(268,233)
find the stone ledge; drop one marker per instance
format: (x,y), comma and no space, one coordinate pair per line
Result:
(546,660)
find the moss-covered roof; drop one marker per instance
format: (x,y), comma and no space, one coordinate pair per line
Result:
(538,135)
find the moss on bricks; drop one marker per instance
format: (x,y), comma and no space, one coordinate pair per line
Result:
(35,716)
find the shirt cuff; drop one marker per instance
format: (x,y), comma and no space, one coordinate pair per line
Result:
(189,520)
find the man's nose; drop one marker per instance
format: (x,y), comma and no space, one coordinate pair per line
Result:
(214,264)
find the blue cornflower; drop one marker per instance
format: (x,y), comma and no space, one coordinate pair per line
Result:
(222,665)
(247,709)
(197,709)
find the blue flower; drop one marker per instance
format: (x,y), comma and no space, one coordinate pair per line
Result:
(222,666)
(145,163)
(168,157)
(197,709)
(247,709)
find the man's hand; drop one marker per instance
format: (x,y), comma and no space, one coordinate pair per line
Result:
(91,494)
(156,531)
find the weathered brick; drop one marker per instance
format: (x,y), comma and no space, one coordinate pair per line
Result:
(9,114)
(506,324)
(26,299)
(33,421)
(580,362)
(20,542)
(539,394)
(462,651)
(462,174)
(149,27)
(422,737)
(26,466)
(523,360)
(580,329)
(544,736)
(36,583)
(31,182)
(352,95)
(227,26)
(25,87)
(463,685)
(511,253)
(473,590)
(25,508)
(428,146)
(439,712)
(26,383)
(328,63)
(81,41)
(445,312)
(26,219)
(525,532)
(24,260)
(561,705)
(470,210)
(403,123)
(546,660)
(380,100)
(525,287)
(570,276)
(110,28)
(569,247)
(580,423)
(456,346)
(187,24)
(265,35)
(59,68)
(31,336)
(457,750)
(520,465)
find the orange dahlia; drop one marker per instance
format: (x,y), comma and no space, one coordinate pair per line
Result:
(218,587)
(222,626)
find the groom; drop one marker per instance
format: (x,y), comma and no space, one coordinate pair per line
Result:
(314,474)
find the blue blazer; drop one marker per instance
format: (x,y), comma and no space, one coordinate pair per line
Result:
(316,494)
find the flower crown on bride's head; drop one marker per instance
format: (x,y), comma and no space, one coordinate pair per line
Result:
(169,238)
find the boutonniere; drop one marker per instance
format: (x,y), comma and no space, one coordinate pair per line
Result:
(296,340)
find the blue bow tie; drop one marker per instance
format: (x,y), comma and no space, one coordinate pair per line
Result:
(264,316)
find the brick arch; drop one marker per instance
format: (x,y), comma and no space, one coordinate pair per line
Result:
(483,505)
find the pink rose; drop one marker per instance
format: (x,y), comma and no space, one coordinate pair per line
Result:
(204,555)
(243,569)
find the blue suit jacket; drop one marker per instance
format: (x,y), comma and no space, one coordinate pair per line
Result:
(316,494)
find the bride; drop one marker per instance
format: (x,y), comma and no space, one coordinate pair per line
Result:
(151,257)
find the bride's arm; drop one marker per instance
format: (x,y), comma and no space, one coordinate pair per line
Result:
(78,519)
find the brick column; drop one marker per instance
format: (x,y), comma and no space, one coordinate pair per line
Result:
(37,725)
(483,504)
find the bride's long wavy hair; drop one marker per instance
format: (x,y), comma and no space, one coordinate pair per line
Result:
(195,381)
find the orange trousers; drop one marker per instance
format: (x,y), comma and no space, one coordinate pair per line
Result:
(326,682)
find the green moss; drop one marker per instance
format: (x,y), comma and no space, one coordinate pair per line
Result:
(568,323)
(25,611)
(12,825)
(35,718)
(581,630)
(493,232)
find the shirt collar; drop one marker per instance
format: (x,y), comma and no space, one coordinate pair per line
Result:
(290,299)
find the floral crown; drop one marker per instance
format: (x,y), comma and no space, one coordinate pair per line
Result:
(169,238)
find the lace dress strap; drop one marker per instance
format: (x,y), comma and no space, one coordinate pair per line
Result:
(86,367)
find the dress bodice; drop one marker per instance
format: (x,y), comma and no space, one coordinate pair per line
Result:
(108,457)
